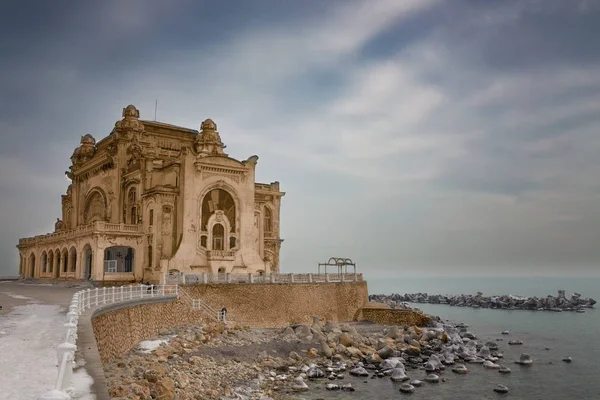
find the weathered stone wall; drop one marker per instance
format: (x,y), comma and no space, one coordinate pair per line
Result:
(120,327)
(272,305)
(393,316)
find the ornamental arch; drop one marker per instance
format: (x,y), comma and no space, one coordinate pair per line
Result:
(95,206)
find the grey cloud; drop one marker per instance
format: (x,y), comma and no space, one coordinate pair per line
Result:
(483,154)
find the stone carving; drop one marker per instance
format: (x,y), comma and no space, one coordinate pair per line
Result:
(130,121)
(219,216)
(208,142)
(59,225)
(85,151)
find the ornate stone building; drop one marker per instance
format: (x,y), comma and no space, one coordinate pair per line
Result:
(153,198)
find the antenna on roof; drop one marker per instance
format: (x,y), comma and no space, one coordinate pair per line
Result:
(155,107)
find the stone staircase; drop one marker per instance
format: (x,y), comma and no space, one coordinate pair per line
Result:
(198,304)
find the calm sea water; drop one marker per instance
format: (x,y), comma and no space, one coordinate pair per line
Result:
(565,334)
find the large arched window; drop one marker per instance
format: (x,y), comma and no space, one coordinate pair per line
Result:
(218,199)
(95,208)
(268,220)
(218,237)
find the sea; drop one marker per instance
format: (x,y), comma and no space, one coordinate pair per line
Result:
(546,336)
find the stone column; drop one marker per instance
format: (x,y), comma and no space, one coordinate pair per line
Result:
(97,264)
(56,272)
(69,262)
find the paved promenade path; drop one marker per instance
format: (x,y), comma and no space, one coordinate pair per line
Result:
(31,327)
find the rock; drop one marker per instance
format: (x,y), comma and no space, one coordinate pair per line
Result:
(413,351)
(501,389)
(504,370)
(165,389)
(525,359)
(326,350)
(432,378)
(345,340)
(515,342)
(299,385)
(385,352)
(142,392)
(484,352)
(347,387)
(359,371)
(312,352)
(490,365)
(331,386)
(315,373)
(505,332)
(416,383)
(407,388)
(398,375)
(567,359)
(460,369)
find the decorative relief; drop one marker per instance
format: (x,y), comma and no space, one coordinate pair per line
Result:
(208,174)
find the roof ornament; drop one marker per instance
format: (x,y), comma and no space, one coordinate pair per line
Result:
(130,121)
(85,151)
(208,142)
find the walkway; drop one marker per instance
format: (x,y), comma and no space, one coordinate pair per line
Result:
(31,327)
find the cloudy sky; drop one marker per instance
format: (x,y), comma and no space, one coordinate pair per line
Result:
(414,136)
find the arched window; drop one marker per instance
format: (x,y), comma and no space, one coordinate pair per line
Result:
(268,220)
(95,208)
(218,237)
(132,196)
(151,218)
(218,199)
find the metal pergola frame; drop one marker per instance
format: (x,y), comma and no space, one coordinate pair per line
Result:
(339,262)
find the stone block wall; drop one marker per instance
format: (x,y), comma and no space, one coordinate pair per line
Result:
(389,316)
(273,305)
(118,328)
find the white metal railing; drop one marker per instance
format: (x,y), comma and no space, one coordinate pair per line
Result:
(198,304)
(206,278)
(81,301)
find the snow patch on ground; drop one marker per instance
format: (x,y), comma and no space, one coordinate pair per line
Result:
(82,385)
(17,296)
(147,346)
(29,337)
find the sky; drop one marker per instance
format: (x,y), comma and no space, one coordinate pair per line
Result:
(416,137)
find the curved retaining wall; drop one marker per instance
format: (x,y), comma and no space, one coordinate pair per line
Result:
(119,327)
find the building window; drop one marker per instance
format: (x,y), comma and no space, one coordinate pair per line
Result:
(151,217)
(150,256)
(232,243)
(203,241)
(268,220)
(218,237)
(218,199)
(134,220)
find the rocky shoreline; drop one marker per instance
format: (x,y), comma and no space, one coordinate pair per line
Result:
(216,361)
(575,303)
